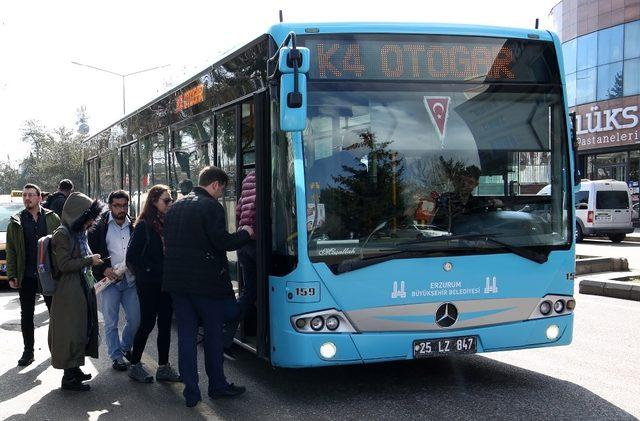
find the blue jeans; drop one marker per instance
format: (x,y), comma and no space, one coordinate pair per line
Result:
(191,309)
(111,298)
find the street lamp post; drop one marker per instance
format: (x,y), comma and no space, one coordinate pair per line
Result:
(124,112)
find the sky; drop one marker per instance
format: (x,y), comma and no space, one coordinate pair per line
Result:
(39,40)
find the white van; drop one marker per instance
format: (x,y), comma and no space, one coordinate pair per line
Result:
(603,209)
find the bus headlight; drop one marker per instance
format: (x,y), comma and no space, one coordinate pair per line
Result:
(558,306)
(332,323)
(552,332)
(323,321)
(317,323)
(552,305)
(328,350)
(545,308)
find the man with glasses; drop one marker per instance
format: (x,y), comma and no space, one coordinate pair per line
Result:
(111,238)
(23,232)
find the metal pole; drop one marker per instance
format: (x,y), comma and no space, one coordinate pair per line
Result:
(124,110)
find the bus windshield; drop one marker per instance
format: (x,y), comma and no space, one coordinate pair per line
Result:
(391,165)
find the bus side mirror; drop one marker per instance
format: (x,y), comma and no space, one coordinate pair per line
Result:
(293,105)
(575,144)
(293,64)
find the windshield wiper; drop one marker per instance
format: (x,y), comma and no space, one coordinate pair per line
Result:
(358,263)
(522,251)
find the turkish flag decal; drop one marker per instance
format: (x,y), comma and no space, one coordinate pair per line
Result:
(438,107)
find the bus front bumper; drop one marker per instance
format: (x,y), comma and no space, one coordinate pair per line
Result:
(293,349)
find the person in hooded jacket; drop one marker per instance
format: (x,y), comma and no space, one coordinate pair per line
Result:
(73,325)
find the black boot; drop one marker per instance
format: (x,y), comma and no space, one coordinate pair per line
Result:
(81,374)
(72,381)
(26,359)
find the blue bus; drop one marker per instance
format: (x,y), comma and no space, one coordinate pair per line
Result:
(397,169)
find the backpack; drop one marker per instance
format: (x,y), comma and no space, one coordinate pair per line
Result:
(48,274)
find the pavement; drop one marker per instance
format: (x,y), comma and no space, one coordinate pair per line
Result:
(590,379)
(634,236)
(608,283)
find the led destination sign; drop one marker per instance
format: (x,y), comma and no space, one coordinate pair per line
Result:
(432,58)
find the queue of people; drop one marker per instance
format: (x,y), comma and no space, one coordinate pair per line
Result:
(173,258)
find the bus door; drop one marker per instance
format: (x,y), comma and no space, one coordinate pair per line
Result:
(240,143)
(190,140)
(129,176)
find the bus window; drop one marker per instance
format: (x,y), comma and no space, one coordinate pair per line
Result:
(159,160)
(190,153)
(248,144)
(129,159)
(283,202)
(107,173)
(146,164)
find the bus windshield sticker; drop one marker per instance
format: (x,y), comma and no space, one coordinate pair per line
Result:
(438,109)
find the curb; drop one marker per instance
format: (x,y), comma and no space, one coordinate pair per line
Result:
(614,289)
(601,264)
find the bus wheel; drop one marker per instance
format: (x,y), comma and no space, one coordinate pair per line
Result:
(579,235)
(616,238)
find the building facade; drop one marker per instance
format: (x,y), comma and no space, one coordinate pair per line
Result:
(601,49)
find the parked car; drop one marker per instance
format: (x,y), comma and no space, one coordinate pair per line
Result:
(602,208)
(7,209)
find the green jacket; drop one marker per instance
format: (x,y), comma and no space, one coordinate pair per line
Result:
(15,243)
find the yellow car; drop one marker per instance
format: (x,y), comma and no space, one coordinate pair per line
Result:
(6,211)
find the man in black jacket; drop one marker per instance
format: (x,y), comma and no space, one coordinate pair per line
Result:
(55,202)
(196,273)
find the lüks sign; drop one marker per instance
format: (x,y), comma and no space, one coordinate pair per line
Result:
(605,127)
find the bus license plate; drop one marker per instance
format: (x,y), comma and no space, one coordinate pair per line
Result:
(424,348)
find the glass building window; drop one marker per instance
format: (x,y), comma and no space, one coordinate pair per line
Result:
(632,40)
(609,81)
(571,89)
(587,51)
(586,86)
(569,56)
(632,77)
(610,45)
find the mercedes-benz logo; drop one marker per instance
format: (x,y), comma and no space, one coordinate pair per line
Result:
(446,315)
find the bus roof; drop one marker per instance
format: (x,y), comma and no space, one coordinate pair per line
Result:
(280,31)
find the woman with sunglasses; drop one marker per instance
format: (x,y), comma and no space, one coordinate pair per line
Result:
(146,256)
